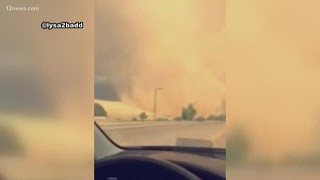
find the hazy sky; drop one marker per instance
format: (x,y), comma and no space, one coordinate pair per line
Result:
(178,46)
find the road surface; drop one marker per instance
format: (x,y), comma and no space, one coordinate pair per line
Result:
(164,133)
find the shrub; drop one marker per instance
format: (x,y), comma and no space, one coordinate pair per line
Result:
(99,110)
(221,117)
(163,119)
(211,117)
(177,118)
(200,118)
(189,113)
(134,119)
(11,144)
(143,116)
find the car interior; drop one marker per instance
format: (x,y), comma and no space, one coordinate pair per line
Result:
(164,162)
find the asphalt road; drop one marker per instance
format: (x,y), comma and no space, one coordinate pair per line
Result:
(164,133)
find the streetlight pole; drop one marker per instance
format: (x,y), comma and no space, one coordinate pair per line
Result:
(155,103)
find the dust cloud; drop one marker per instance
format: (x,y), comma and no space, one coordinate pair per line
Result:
(177,46)
(269,50)
(273,76)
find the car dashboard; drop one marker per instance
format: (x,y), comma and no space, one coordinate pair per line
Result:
(201,166)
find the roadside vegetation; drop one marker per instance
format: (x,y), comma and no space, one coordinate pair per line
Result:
(178,118)
(163,119)
(220,117)
(99,110)
(10,143)
(143,116)
(200,118)
(188,113)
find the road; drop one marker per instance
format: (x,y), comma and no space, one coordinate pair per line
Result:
(164,133)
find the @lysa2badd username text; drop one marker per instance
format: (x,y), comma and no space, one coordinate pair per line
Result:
(62,25)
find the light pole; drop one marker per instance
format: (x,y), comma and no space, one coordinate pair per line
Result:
(155,103)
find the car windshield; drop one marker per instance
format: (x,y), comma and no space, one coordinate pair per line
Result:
(160,73)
